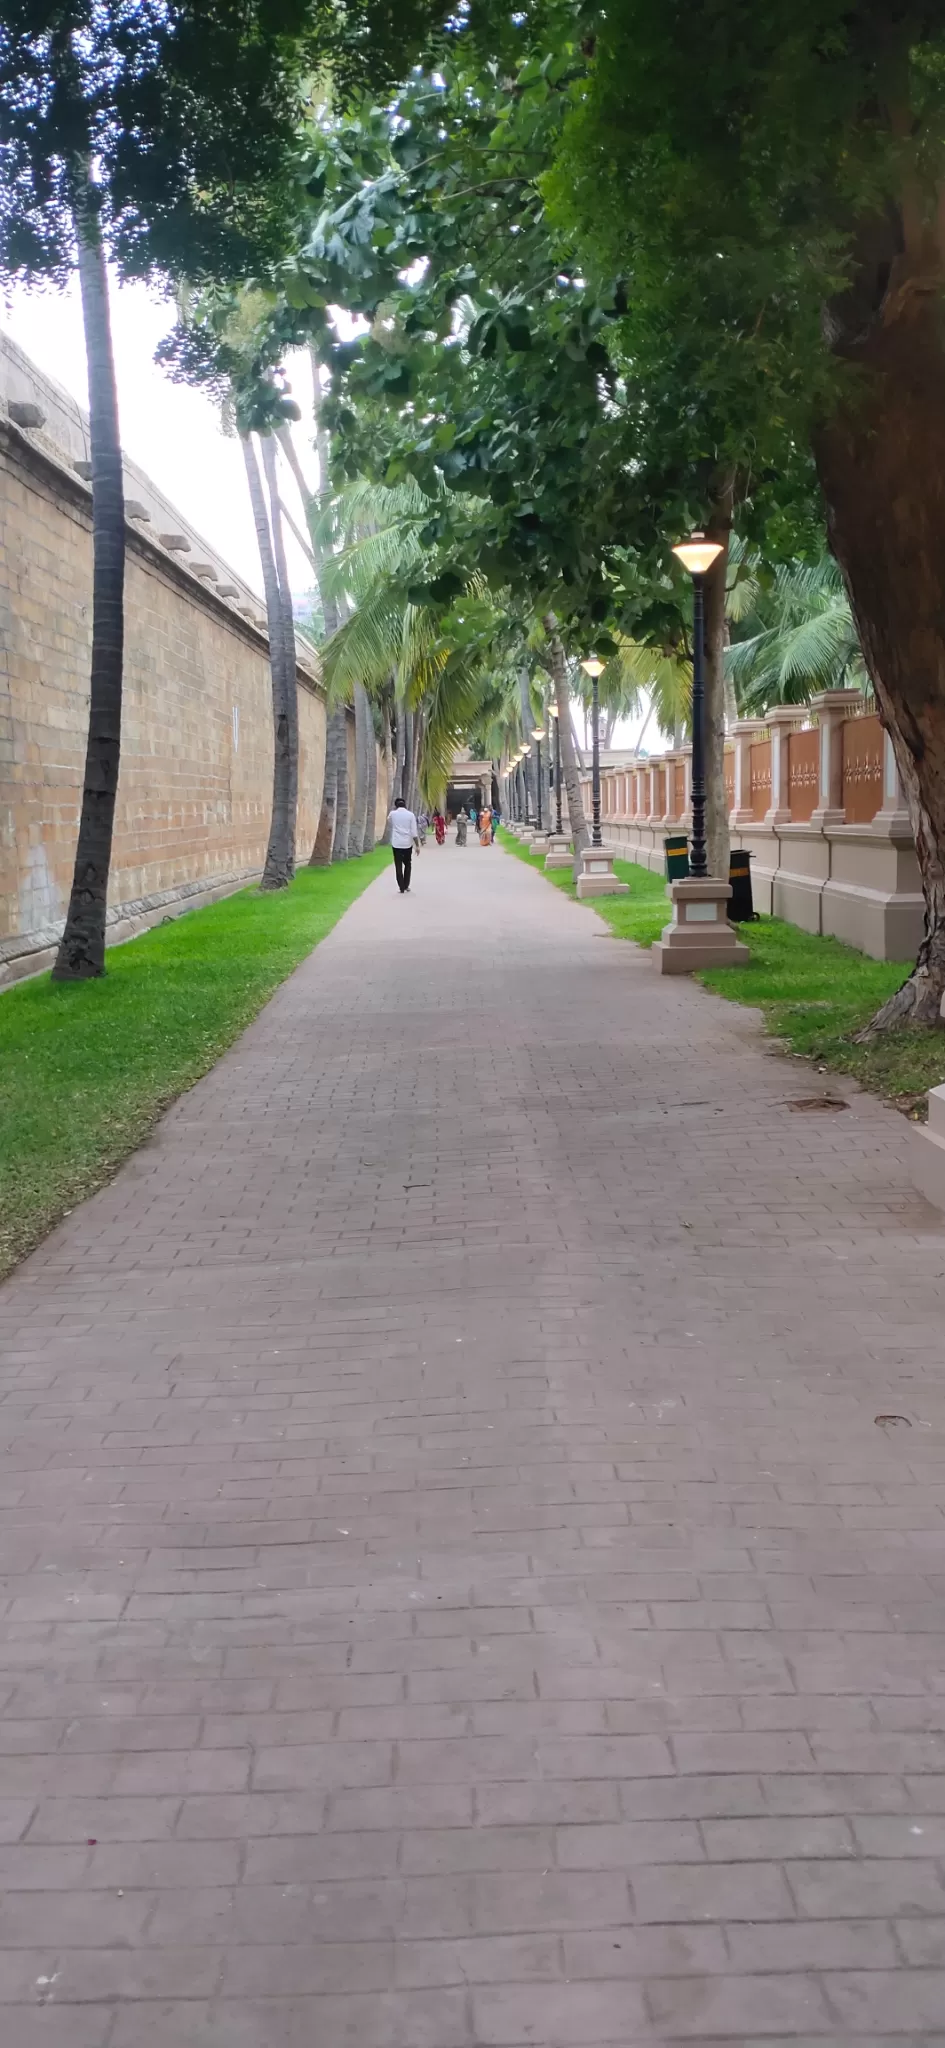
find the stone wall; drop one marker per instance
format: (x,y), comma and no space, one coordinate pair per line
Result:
(195,788)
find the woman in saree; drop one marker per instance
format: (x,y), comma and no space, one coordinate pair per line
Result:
(485,828)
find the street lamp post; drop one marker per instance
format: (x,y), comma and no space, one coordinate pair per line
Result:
(697,555)
(554,714)
(594,668)
(700,934)
(538,734)
(598,877)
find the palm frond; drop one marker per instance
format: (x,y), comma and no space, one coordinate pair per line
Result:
(804,639)
(368,647)
(451,698)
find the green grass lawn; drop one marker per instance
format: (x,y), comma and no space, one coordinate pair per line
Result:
(87,1067)
(815,994)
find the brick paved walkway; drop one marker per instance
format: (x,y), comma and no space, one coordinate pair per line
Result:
(457,1590)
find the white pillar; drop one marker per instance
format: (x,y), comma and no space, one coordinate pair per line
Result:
(893,818)
(780,723)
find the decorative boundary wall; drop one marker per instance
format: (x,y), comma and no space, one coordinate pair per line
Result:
(815,796)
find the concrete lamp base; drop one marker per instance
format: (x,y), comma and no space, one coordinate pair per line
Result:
(927,1151)
(597,876)
(559,853)
(526,835)
(540,844)
(700,934)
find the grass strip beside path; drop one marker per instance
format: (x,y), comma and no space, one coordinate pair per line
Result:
(86,1068)
(814,993)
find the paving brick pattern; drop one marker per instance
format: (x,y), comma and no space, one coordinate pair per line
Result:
(456,1589)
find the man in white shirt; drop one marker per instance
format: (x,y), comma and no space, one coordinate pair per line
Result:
(404,836)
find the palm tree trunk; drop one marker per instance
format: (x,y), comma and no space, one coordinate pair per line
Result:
(342,801)
(408,755)
(358,824)
(325,832)
(400,744)
(370,826)
(558,667)
(388,772)
(287,638)
(416,756)
(81,952)
(277,871)
(320,856)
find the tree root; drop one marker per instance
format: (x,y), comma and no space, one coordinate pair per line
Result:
(918,1001)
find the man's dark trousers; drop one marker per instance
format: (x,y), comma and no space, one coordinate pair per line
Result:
(403,861)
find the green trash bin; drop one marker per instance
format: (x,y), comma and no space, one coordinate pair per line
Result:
(677,857)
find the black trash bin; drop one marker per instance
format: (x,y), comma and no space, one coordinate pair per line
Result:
(676,848)
(741,908)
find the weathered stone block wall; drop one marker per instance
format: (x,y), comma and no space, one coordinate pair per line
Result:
(196,774)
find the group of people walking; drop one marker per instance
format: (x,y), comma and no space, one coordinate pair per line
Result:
(408,831)
(485,822)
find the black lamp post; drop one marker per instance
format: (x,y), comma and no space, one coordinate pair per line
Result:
(554,714)
(697,555)
(538,733)
(595,669)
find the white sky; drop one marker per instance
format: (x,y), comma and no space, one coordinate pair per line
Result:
(171,430)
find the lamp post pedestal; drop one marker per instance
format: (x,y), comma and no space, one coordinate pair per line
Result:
(540,844)
(559,853)
(597,876)
(527,834)
(700,934)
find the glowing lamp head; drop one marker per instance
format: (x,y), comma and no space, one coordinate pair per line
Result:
(593,666)
(697,554)
(538,732)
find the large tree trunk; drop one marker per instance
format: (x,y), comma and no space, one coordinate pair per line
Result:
(881,459)
(278,868)
(719,527)
(358,825)
(81,952)
(558,669)
(287,623)
(731,701)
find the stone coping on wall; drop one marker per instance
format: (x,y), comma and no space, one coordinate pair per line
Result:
(42,459)
(29,953)
(58,436)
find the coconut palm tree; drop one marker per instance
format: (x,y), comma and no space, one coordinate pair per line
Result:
(791,636)
(434,645)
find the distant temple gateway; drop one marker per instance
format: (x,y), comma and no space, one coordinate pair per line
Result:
(473,785)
